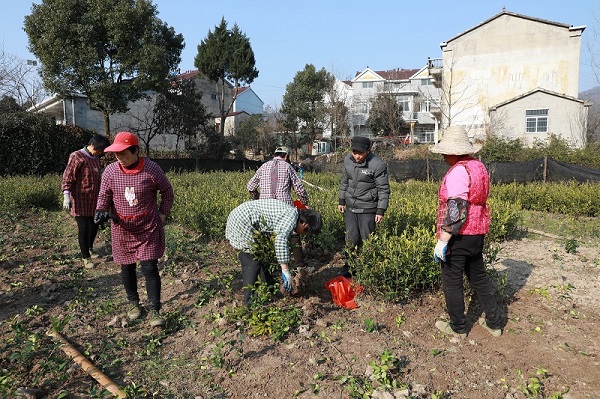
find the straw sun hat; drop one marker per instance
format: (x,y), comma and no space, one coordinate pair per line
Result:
(455,141)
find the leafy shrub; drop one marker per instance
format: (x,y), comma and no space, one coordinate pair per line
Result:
(19,193)
(32,144)
(397,267)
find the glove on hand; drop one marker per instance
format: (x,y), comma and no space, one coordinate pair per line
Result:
(67,201)
(439,253)
(287,280)
(101,217)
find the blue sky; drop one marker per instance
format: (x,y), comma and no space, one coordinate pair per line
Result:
(343,36)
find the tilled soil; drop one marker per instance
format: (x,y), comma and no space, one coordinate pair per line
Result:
(550,303)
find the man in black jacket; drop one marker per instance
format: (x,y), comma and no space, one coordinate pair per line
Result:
(364,193)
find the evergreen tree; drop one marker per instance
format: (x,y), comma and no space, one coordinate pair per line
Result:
(226,56)
(303,103)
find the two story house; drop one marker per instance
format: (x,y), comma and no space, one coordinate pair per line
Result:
(412,89)
(513,76)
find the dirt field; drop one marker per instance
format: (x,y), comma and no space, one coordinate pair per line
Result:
(552,325)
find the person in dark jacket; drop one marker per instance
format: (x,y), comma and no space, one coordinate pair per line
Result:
(364,194)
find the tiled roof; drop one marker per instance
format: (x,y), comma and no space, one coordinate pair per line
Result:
(397,74)
(394,74)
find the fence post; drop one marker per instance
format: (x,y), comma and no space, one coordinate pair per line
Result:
(545,167)
(427,167)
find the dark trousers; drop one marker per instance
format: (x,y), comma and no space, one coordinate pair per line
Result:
(465,257)
(251,270)
(150,272)
(297,254)
(86,234)
(359,227)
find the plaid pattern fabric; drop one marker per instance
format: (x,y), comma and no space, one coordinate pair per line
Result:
(82,179)
(265,215)
(276,179)
(133,197)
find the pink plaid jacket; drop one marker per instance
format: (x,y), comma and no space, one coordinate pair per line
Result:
(132,195)
(82,179)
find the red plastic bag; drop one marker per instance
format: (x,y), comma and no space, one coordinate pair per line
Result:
(343,291)
(299,205)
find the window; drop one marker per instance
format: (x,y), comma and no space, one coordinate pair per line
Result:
(367,85)
(404,102)
(426,82)
(213,96)
(536,121)
(425,106)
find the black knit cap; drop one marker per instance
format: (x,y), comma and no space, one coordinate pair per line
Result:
(360,143)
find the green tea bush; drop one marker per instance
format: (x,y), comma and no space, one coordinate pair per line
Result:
(32,144)
(571,198)
(397,267)
(20,193)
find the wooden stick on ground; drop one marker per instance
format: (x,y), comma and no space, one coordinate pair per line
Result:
(87,366)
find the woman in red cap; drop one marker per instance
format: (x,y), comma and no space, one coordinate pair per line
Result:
(128,193)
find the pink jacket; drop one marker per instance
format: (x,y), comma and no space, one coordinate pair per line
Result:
(478,213)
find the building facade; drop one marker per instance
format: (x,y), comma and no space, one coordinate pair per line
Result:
(506,60)
(411,88)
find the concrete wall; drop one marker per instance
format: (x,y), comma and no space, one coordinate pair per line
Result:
(566,119)
(504,58)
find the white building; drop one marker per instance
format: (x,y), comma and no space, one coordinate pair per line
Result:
(412,88)
(74,110)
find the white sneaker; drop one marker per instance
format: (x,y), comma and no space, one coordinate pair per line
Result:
(494,332)
(444,327)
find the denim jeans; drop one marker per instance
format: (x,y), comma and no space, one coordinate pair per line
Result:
(150,272)
(465,257)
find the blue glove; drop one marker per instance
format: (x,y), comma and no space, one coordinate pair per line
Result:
(286,276)
(439,253)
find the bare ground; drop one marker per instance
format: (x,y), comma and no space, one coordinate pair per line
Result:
(550,302)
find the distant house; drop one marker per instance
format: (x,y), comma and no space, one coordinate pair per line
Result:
(74,110)
(71,110)
(413,91)
(247,103)
(502,66)
(542,113)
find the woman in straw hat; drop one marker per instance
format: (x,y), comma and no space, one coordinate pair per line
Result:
(463,219)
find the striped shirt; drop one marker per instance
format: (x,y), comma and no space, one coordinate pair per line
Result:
(265,215)
(275,179)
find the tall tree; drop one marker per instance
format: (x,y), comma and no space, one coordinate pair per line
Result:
(303,102)
(180,111)
(225,57)
(385,115)
(19,80)
(113,51)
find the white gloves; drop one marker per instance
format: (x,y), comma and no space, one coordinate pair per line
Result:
(286,276)
(67,201)
(439,253)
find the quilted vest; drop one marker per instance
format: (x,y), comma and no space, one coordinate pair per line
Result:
(478,212)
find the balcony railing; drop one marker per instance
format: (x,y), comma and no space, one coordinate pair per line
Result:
(435,63)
